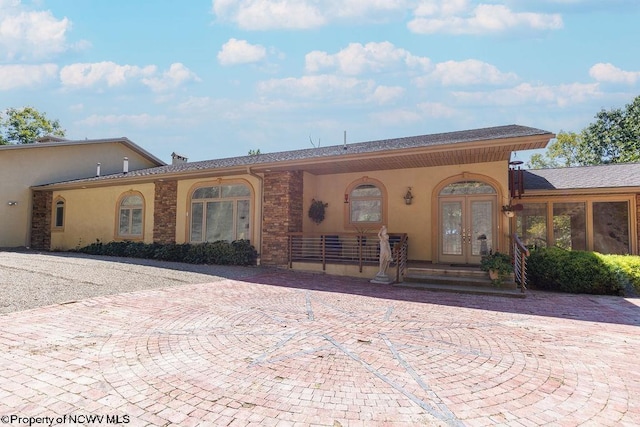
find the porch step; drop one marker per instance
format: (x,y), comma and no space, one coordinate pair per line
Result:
(457,279)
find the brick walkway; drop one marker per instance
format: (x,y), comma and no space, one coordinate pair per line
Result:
(300,349)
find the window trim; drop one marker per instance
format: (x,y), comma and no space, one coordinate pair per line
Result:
(588,200)
(54,213)
(137,237)
(383,202)
(219,183)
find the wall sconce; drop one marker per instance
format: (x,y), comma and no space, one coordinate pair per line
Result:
(12,203)
(346,198)
(510,210)
(408,197)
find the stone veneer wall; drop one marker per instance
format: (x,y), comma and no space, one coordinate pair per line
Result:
(282,214)
(165,205)
(41,220)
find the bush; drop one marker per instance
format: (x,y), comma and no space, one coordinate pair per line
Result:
(627,267)
(221,252)
(576,272)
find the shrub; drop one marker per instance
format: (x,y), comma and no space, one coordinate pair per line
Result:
(221,252)
(627,267)
(573,271)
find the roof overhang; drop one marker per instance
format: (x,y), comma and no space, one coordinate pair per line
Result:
(438,155)
(484,151)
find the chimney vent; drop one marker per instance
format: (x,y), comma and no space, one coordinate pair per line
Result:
(125,166)
(178,158)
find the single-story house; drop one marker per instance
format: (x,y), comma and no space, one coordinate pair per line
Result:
(51,160)
(446,196)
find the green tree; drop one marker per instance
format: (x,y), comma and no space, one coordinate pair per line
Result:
(563,152)
(613,138)
(25,125)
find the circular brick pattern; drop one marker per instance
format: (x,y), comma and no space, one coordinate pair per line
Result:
(292,355)
(282,348)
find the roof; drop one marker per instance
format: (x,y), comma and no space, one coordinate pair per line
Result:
(477,145)
(60,142)
(618,175)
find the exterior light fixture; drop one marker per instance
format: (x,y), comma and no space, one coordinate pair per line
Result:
(408,197)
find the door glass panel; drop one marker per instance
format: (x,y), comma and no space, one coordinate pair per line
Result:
(481,227)
(611,227)
(451,228)
(569,226)
(467,187)
(242,222)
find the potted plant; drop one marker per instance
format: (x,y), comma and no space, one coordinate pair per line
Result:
(498,265)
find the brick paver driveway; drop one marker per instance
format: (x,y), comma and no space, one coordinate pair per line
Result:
(284,348)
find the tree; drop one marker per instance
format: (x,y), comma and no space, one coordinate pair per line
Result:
(563,152)
(613,138)
(25,125)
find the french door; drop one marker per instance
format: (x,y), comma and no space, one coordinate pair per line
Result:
(467,228)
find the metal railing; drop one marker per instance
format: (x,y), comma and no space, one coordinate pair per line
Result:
(344,248)
(400,250)
(520,255)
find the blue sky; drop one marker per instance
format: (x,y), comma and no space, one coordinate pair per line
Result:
(212,79)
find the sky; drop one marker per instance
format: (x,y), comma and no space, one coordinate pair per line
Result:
(210,79)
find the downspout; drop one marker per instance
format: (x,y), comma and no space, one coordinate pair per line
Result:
(261,180)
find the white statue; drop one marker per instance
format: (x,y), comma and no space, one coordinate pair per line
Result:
(385,257)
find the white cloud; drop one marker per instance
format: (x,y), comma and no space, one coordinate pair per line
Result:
(19,76)
(396,117)
(303,14)
(138,120)
(611,74)
(175,76)
(269,14)
(436,110)
(527,94)
(386,94)
(459,18)
(84,75)
(240,52)
(469,72)
(356,59)
(98,74)
(319,87)
(30,34)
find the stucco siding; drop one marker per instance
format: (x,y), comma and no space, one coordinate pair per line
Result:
(92,215)
(415,219)
(22,168)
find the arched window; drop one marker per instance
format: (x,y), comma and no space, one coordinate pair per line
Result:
(220,212)
(463,188)
(366,204)
(58,213)
(130,216)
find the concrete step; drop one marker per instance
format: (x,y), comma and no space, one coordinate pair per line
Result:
(443,275)
(464,289)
